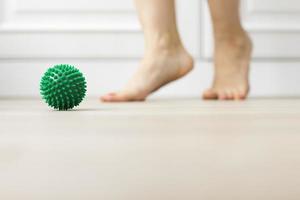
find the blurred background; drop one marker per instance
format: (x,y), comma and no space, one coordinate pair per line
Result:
(104,40)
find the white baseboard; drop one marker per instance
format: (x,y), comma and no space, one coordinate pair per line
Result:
(21,77)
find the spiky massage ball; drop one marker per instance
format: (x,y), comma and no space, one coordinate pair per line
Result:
(63,87)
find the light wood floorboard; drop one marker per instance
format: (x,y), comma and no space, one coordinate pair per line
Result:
(177,149)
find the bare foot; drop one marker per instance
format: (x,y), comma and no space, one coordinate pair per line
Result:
(157,69)
(232,58)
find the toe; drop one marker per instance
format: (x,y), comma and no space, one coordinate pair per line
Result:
(239,94)
(222,95)
(229,94)
(236,95)
(120,97)
(108,97)
(242,94)
(113,97)
(210,94)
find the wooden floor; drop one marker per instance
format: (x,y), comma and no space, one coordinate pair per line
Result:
(164,149)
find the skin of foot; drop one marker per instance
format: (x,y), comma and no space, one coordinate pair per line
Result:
(158,68)
(231,60)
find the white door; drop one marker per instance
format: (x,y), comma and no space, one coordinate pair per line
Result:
(104,39)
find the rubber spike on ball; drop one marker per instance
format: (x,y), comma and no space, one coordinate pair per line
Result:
(63,87)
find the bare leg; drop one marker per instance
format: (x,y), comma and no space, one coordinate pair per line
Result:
(232,52)
(165,58)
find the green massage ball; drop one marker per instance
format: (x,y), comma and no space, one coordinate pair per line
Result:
(63,87)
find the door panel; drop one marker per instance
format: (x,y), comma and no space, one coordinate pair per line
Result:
(273,25)
(80,29)
(104,37)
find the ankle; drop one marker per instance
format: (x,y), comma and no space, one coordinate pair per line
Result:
(226,32)
(163,42)
(235,39)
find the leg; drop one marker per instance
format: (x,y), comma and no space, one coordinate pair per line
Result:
(232,52)
(165,58)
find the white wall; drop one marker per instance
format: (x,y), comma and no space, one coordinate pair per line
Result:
(104,39)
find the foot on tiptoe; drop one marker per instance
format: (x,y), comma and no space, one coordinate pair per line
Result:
(156,70)
(232,58)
